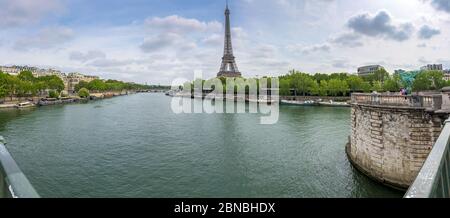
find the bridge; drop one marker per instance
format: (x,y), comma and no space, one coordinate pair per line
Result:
(403,141)
(13,183)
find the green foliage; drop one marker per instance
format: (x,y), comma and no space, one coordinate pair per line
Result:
(341,84)
(428,80)
(83,93)
(355,83)
(393,84)
(53,94)
(112,85)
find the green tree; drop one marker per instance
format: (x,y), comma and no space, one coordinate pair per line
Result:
(53,94)
(338,87)
(377,86)
(355,83)
(393,84)
(26,76)
(422,82)
(302,83)
(323,88)
(83,93)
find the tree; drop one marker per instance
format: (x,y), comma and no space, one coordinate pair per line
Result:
(3,88)
(314,89)
(302,83)
(80,85)
(422,82)
(377,86)
(393,84)
(366,87)
(53,94)
(355,83)
(26,76)
(337,86)
(323,90)
(83,93)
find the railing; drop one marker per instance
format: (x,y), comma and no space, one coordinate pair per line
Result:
(420,101)
(433,180)
(13,183)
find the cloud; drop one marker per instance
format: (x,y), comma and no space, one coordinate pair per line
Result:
(380,25)
(83,57)
(348,40)
(46,38)
(22,12)
(427,32)
(214,39)
(443,5)
(422,45)
(177,24)
(164,40)
(316,48)
(109,62)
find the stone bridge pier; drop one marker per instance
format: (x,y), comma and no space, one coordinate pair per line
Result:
(392,135)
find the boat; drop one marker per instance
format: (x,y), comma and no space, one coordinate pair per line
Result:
(301,103)
(332,103)
(26,104)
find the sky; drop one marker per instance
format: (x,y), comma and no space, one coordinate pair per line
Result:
(157,41)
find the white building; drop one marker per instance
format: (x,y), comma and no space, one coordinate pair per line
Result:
(432,67)
(368,70)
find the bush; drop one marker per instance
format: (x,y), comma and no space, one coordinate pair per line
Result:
(83,93)
(53,94)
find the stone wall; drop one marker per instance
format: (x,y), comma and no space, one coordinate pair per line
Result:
(390,144)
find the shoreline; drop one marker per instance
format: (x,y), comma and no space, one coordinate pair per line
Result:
(42,102)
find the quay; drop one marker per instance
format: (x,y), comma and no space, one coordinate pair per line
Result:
(392,136)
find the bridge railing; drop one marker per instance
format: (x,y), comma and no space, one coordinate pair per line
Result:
(420,101)
(13,183)
(433,180)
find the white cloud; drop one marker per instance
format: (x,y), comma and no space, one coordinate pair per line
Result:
(177,24)
(48,37)
(22,12)
(90,55)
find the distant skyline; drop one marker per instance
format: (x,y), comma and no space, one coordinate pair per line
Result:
(156,41)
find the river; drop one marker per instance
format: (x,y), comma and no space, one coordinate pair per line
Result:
(135,146)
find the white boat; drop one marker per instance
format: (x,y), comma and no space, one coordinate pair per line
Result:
(301,103)
(26,104)
(334,104)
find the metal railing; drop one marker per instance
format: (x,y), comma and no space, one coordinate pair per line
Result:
(433,180)
(419,101)
(13,183)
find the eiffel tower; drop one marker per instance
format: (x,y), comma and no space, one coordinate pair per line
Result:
(228,67)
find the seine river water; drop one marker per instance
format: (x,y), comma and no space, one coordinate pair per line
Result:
(134,146)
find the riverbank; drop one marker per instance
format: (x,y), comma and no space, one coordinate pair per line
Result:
(38,101)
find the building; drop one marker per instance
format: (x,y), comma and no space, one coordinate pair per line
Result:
(228,67)
(72,79)
(15,70)
(10,70)
(368,70)
(437,67)
(447,75)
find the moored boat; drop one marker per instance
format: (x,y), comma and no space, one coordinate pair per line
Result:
(26,104)
(334,104)
(301,103)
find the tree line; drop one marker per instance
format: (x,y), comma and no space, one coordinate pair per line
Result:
(98,85)
(27,85)
(343,84)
